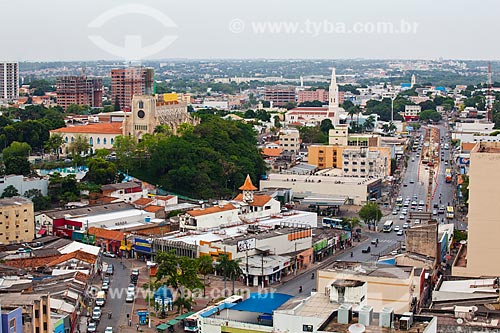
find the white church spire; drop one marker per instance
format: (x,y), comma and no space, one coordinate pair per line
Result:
(333,92)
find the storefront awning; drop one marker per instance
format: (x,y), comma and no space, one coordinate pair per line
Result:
(126,248)
(42,231)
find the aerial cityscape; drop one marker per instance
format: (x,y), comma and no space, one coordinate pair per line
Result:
(276,167)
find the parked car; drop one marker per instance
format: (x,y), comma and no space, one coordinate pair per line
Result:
(395,212)
(109,254)
(412,181)
(396,228)
(367,250)
(129,298)
(105,287)
(135,272)
(108,329)
(400,233)
(131,288)
(406,226)
(106,280)
(401,217)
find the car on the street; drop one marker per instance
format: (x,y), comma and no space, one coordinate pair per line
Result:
(92,327)
(445,162)
(434,211)
(367,250)
(96,313)
(109,254)
(403,247)
(404,211)
(105,286)
(400,233)
(106,280)
(394,212)
(412,181)
(406,225)
(108,329)
(401,217)
(135,272)
(396,228)
(129,298)
(420,209)
(131,288)
(405,185)
(393,253)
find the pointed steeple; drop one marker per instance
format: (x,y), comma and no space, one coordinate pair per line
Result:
(333,92)
(248,188)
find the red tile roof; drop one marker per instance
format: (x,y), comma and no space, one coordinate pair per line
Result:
(153,208)
(30,262)
(99,128)
(210,210)
(80,255)
(106,234)
(143,201)
(272,152)
(258,200)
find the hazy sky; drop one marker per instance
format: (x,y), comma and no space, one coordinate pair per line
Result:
(49,30)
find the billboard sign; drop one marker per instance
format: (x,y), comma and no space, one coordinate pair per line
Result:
(246,244)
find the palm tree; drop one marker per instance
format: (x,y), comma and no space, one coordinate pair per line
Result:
(385,128)
(235,271)
(351,112)
(369,123)
(205,267)
(392,127)
(352,222)
(182,302)
(224,267)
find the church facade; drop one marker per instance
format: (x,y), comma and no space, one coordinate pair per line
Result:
(148,112)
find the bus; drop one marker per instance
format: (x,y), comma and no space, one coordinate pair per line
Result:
(388,226)
(192,323)
(449,212)
(448,175)
(329,222)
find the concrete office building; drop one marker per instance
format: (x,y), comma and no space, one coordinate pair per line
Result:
(79,90)
(477,257)
(9,80)
(127,82)
(312,95)
(289,139)
(279,95)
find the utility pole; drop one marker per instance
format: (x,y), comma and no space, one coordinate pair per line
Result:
(296,261)
(262,269)
(248,275)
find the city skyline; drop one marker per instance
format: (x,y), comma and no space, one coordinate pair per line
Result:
(257,30)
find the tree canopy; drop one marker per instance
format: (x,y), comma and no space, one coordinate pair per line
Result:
(211,161)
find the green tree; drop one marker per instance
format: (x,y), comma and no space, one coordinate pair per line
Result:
(40,202)
(9,192)
(249,114)
(16,149)
(224,267)
(369,123)
(101,171)
(63,189)
(430,115)
(351,222)
(205,267)
(79,145)
(17,165)
(370,213)
(125,147)
(54,143)
(326,125)
(101,153)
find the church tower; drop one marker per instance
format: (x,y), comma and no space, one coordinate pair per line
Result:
(333,99)
(248,190)
(413,80)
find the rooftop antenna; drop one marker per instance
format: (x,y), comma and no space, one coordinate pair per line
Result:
(84,70)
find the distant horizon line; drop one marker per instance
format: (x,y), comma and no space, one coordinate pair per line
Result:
(250,59)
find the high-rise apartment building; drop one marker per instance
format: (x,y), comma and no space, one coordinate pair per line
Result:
(279,95)
(127,82)
(9,80)
(477,258)
(312,95)
(79,90)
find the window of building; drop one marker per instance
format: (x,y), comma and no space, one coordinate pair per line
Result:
(307,328)
(346,170)
(141,104)
(104,141)
(73,139)
(66,139)
(91,141)
(98,141)
(112,141)
(354,170)
(37,314)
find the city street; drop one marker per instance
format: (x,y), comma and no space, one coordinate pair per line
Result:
(416,181)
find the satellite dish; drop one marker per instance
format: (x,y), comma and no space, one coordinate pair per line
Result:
(460,321)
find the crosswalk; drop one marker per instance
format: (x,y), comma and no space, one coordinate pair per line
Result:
(391,241)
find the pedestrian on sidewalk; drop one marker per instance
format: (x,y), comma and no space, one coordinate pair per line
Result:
(130,322)
(137,326)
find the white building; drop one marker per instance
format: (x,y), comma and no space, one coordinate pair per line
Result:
(289,139)
(9,80)
(23,184)
(364,162)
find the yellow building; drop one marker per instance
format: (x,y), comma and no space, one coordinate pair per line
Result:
(478,258)
(385,285)
(17,220)
(356,161)
(35,309)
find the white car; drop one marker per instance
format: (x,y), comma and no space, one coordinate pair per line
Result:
(401,217)
(129,298)
(92,327)
(108,329)
(400,233)
(130,289)
(396,228)
(417,221)
(96,313)
(404,211)
(406,226)
(395,212)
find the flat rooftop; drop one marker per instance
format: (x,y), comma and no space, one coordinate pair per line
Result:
(487,148)
(419,325)
(469,286)
(317,305)
(14,201)
(383,271)
(263,234)
(330,179)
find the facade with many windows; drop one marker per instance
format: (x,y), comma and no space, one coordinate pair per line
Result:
(289,139)
(17,220)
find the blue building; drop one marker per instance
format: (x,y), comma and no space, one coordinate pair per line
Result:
(12,321)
